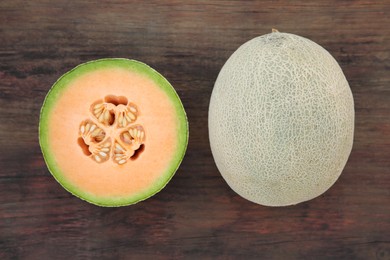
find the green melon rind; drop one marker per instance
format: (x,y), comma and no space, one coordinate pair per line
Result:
(60,85)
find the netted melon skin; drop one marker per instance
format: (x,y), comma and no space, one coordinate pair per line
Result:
(281,120)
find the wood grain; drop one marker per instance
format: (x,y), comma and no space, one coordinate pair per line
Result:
(197,215)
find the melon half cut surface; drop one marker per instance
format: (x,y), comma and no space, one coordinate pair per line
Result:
(113,131)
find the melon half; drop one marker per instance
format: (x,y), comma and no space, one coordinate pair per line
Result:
(113,131)
(281,120)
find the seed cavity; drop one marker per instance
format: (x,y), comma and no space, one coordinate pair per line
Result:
(91,133)
(84,146)
(126,115)
(104,112)
(134,135)
(138,152)
(116,100)
(101,151)
(114,115)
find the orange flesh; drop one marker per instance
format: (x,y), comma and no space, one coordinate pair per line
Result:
(156,114)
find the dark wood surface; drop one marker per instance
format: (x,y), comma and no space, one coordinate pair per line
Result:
(197,215)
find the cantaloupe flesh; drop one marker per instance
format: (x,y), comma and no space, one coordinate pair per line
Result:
(108,183)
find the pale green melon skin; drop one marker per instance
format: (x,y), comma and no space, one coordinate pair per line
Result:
(281,120)
(61,85)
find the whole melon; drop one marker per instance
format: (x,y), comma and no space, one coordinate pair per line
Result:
(281,120)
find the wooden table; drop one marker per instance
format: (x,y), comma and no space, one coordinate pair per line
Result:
(197,215)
